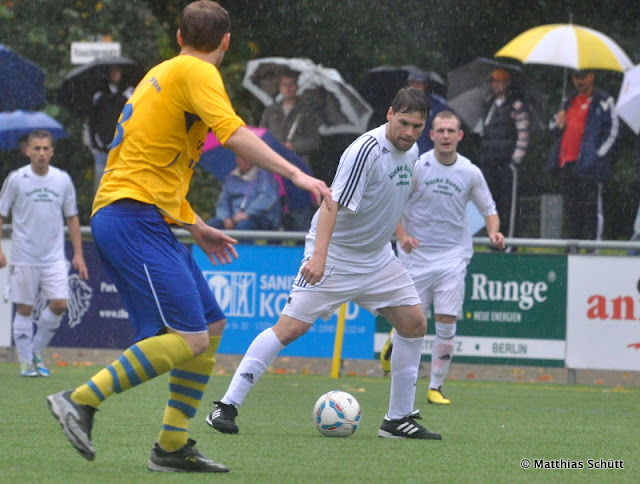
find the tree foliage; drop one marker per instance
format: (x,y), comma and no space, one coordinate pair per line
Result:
(351,36)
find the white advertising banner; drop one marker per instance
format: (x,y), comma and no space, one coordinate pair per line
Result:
(603,313)
(83,52)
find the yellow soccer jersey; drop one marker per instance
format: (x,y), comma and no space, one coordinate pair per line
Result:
(160,134)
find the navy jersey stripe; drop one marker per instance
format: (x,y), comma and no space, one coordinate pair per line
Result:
(356,171)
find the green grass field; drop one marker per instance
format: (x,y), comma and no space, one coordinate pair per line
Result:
(487,431)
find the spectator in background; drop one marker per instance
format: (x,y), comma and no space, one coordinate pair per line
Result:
(249,200)
(38,197)
(107,105)
(587,128)
(420,80)
(295,125)
(505,138)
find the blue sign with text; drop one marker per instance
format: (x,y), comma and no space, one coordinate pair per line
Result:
(252,291)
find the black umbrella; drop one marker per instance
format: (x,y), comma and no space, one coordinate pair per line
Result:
(80,84)
(381,83)
(469,89)
(22,85)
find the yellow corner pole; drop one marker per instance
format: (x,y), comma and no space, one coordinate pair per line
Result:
(337,344)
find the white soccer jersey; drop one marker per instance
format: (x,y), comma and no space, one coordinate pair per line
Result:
(436,211)
(372,184)
(37,205)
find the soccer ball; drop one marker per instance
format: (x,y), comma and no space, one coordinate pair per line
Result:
(336,414)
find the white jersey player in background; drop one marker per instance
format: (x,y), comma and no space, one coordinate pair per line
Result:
(348,257)
(38,196)
(434,241)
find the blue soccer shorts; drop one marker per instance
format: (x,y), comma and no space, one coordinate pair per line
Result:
(156,275)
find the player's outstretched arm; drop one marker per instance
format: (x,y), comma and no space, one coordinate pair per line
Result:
(78,263)
(214,243)
(246,144)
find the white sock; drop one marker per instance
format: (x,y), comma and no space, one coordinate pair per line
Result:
(442,354)
(261,353)
(47,325)
(405,362)
(22,336)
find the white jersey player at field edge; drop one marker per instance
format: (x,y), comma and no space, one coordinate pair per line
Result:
(38,196)
(348,257)
(434,241)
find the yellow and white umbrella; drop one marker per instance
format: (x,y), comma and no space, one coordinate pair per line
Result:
(628,105)
(567,45)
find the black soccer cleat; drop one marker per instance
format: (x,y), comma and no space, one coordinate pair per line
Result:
(76,421)
(223,418)
(406,428)
(185,459)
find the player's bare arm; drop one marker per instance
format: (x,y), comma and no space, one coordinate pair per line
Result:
(313,270)
(407,242)
(78,263)
(250,147)
(492,223)
(217,245)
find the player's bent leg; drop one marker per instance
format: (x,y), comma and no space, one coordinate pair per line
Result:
(385,354)
(23,336)
(441,356)
(47,324)
(141,362)
(187,384)
(400,421)
(185,459)
(261,353)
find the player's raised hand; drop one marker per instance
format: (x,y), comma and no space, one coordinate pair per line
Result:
(318,188)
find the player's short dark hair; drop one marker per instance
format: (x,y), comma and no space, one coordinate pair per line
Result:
(447,115)
(203,25)
(411,100)
(39,134)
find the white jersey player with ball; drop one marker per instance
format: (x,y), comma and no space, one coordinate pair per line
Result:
(434,241)
(348,257)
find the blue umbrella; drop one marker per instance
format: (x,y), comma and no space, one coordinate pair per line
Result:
(22,82)
(14,125)
(219,161)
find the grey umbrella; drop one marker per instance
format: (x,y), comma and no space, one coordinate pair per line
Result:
(469,90)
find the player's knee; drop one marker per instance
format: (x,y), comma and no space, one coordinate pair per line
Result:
(289,329)
(58,306)
(198,343)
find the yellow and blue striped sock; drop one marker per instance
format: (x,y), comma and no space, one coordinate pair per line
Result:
(187,384)
(141,362)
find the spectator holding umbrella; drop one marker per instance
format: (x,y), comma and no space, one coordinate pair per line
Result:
(105,111)
(296,125)
(420,80)
(505,137)
(587,128)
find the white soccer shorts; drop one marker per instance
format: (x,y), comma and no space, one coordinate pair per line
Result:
(387,287)
(24,281)
(442,285)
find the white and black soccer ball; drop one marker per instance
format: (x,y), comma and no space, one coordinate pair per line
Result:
(337,414)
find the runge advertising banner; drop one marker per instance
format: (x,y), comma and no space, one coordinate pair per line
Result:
(603,313)
(514,311)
